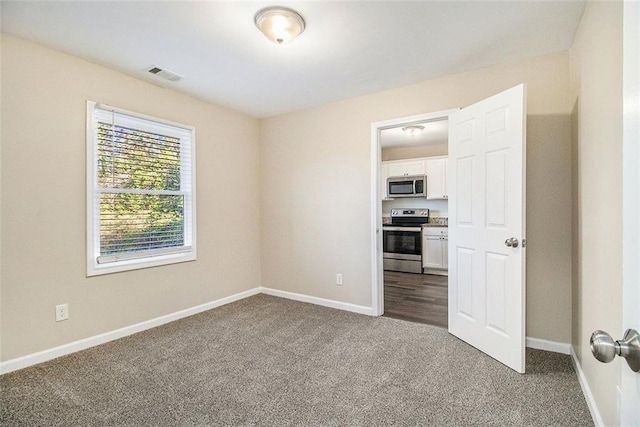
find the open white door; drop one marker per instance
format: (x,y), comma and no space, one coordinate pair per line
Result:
(630,381)
(486,226)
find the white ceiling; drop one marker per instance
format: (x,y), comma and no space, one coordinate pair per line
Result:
(434,133)
(349,48)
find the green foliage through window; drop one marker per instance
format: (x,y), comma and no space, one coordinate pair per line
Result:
(134,166)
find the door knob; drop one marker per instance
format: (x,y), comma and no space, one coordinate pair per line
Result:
(605,349)
(511,243)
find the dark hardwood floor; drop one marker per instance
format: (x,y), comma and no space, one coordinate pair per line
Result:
(420,298)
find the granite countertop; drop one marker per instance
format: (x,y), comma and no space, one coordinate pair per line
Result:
(438,221)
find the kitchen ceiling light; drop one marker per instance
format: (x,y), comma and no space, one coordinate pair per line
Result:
(413,130)
(279,24)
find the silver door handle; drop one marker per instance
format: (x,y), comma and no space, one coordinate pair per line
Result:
(605,349)
(511,243)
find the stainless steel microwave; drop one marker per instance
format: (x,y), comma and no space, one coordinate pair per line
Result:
(407,186)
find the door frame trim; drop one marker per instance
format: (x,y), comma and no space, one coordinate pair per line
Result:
(377,276)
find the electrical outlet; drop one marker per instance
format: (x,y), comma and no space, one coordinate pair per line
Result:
(339,279)
(62,312)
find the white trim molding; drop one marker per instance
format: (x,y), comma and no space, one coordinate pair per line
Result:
(178,251)
(553,346)
(586,390)
(360,309)
(53,353)
(83,344)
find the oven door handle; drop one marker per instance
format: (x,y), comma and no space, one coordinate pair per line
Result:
(410,229)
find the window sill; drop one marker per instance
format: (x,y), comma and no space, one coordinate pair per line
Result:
(95,269)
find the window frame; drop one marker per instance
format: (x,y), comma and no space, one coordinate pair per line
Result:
(180,255)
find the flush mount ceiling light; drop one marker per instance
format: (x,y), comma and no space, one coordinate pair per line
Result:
(279,24)
(413,130)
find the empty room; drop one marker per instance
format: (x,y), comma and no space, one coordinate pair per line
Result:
(319,213)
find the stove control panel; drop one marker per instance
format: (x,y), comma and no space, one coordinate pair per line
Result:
(409,213)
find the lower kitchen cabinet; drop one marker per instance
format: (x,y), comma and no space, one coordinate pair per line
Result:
(435,250)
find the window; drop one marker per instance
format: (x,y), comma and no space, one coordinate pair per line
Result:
(140,191)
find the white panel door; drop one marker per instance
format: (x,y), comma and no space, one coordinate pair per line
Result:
(487,207)
(630,381)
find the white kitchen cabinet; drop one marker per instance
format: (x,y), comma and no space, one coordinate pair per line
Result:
(435,168)
(445,251)
(384,174)
(408,167)
(416,167)
(437,178)
(435,247)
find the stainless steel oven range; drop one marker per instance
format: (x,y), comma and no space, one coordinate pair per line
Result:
(402,240)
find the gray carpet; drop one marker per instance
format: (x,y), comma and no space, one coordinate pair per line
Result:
(271,361)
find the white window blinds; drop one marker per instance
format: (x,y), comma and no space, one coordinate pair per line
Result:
(142,179)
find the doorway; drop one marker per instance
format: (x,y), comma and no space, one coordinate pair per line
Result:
(486,239)
(406,147)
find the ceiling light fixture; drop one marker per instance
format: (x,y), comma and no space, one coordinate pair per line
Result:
(413,130)
(279,24)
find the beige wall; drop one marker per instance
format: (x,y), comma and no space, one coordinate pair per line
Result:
(399,153)
(43,176)
(596,91)
(304,234)
(316,197)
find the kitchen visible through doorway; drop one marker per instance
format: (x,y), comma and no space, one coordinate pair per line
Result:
(415,268)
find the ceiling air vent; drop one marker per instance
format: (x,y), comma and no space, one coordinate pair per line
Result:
(164,73)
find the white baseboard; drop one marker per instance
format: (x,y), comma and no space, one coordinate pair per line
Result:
(586,390)
(319,301)
(553,346)
(52,353)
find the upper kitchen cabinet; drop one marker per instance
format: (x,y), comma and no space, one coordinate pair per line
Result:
(384,174)
(406,167)
(435,168)
(437,177)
